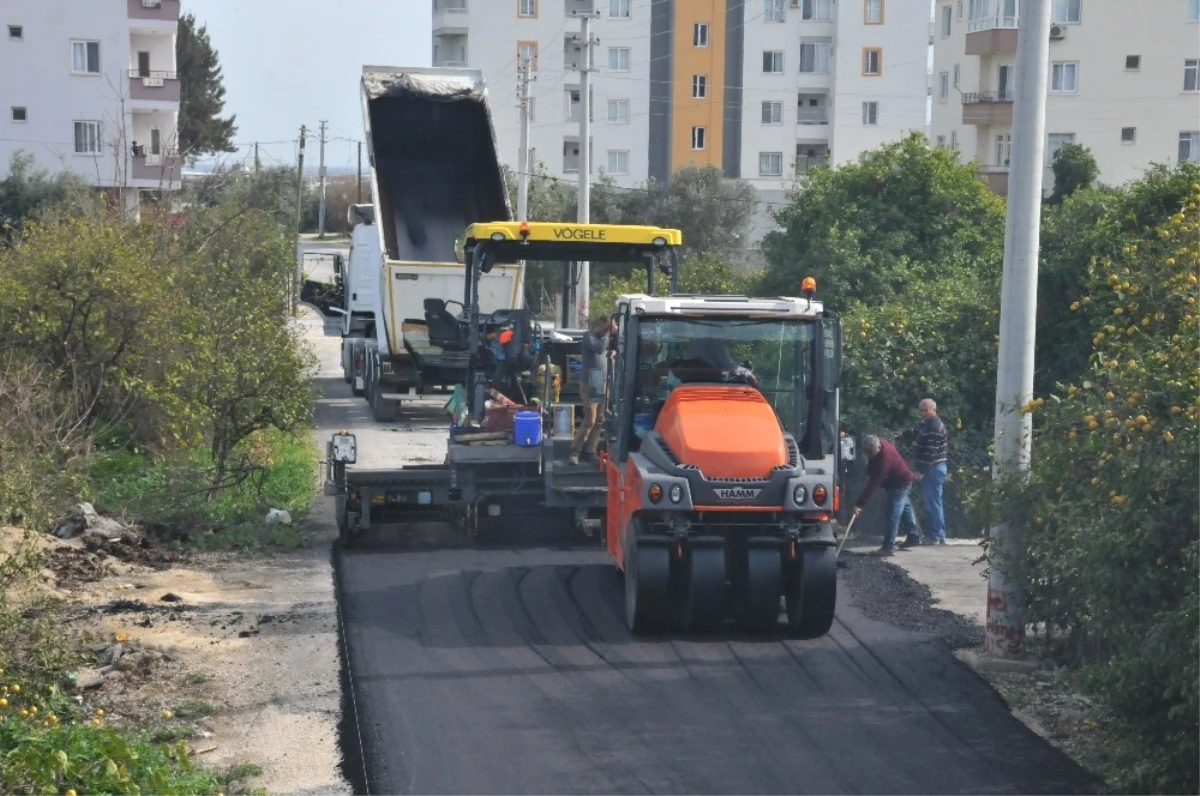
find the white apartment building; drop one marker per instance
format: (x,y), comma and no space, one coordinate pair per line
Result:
(763,89)
(82,82)
(1124,81)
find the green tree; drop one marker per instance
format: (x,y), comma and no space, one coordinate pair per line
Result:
(1112,511)
(870,230)
(29,189)
(202,93)
(1090,225)
(1074,169)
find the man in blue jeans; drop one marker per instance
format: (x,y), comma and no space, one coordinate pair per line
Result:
(929,460)
(886,468)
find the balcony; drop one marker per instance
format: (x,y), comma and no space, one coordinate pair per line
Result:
(985,108)
(449,17)
(154,86)
(994,32)
(996,178)
(810,156)
(161,169)
(157,10)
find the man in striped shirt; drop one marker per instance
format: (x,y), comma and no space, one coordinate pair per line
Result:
(929,462)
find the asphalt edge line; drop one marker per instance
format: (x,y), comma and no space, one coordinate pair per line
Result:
(349,730)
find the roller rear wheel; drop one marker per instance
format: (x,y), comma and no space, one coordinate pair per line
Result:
(702,602)
(759,608)
(647,585)
(812,594)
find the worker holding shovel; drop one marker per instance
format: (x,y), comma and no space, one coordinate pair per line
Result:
(886,468)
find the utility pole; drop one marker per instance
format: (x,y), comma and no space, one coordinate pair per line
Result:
(359,200)
(256,160)
(585,166)
(321,173)
(295,297)
(523,154)
(1005,635)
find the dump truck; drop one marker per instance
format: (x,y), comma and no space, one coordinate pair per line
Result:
(434,170)
(719,474)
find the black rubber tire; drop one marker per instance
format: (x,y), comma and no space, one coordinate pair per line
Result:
(812,596)
(758,609)
(339,511)
(702,607)
(647,585)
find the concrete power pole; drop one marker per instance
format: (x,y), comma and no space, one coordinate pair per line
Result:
(295,297)
(585,164)
(523,154)
(359,199)
(321,173)
(1018,306)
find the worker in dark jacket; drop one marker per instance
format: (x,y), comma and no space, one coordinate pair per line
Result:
(929,460)
(886,468)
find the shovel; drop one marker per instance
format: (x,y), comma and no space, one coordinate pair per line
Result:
(845,536)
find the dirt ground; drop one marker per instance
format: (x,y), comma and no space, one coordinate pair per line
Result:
(239,653)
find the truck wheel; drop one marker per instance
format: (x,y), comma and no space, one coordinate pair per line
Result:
(344,524)
(759,608)
(703,587)
(384,411)
(812,594)
(647,585)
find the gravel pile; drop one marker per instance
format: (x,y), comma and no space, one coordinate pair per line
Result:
(885,592)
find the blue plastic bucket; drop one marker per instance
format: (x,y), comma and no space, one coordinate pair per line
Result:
(527,429)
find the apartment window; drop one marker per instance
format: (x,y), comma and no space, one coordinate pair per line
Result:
(1133,63)
(618,59)
(87,138)
(527,8)
(1191,74)
(85,57)
(814,55)
(16,32)
(870,113)
(1064,77)
(1189,146)
(816,10)
(770,164)
(618,111)
(1003,149)
(957,74)
(872,61)
(618,9)
(1128,135)
(772,113)
(700,34)
(1193,10)
(773,10)
(19,114)
(1066,12)
(618,161)
(943,86)
(947,20)
(773,62)
(960,10)
(699,86)
(941,142)
(1004,82)
(873,12)
(527,51)
(699,137)
(1056,140)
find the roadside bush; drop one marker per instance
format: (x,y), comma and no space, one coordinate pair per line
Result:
(173,344)
(1112,509)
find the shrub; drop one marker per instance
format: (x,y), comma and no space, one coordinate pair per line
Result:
(1112,506)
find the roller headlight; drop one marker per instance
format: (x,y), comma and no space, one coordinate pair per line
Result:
(800,494)
(675,493)
(819,495)
(656,493)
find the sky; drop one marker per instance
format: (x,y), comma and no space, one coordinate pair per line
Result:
(293,62)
